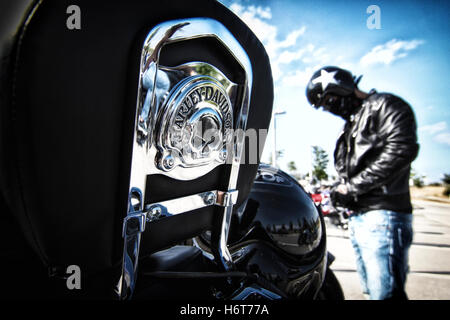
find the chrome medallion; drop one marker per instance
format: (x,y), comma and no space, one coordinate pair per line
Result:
(195,124)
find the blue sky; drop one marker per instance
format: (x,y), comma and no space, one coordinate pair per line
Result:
(408,56)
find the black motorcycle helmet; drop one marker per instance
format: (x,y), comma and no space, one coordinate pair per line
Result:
(333,89)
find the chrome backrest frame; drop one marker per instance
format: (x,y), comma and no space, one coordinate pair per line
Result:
(143,153)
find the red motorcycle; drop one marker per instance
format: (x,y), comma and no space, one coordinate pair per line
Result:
(336,215)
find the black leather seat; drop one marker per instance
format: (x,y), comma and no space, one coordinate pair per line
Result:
(156,279)
(177,258)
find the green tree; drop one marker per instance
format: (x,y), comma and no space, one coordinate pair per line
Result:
(291,166)
(280,154)
(417,178)
(446,178)
(320,163)
(446,181)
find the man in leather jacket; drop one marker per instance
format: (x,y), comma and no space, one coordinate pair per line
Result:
(373,158)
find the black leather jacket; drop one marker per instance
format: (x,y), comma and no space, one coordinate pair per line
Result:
(374,154)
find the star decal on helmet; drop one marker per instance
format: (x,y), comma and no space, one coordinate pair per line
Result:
(325,79)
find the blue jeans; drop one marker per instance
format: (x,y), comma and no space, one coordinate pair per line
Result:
(381,240)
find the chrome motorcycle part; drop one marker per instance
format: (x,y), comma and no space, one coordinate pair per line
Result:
(196,125)
(135,222)
(189,203)
(180,107)
(174,105)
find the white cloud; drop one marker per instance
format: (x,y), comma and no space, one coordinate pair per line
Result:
(287,56)
(389,52)
(254,17)
(258,19)
(291,38)
(443,138)
(438,131)
(434,128)
(299,78)
(283,51)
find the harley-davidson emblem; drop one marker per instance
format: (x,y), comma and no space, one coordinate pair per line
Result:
(207,94)
(196,124)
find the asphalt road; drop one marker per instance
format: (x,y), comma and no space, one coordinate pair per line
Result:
(429,257)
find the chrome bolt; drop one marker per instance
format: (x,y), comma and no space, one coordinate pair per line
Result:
(223,154)
(209,198)
(154,212)
(168,162)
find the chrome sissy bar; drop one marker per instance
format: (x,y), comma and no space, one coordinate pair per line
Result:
(161,124)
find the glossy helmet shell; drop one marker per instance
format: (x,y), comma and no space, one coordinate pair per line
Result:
(343,84)
(280,211)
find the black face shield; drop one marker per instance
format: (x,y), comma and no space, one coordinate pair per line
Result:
(340,106)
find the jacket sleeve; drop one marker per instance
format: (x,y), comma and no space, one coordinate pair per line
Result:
(397,131)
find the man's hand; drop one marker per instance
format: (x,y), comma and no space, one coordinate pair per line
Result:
(339,196)
(342,188)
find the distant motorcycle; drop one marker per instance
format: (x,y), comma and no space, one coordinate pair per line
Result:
(336,215)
